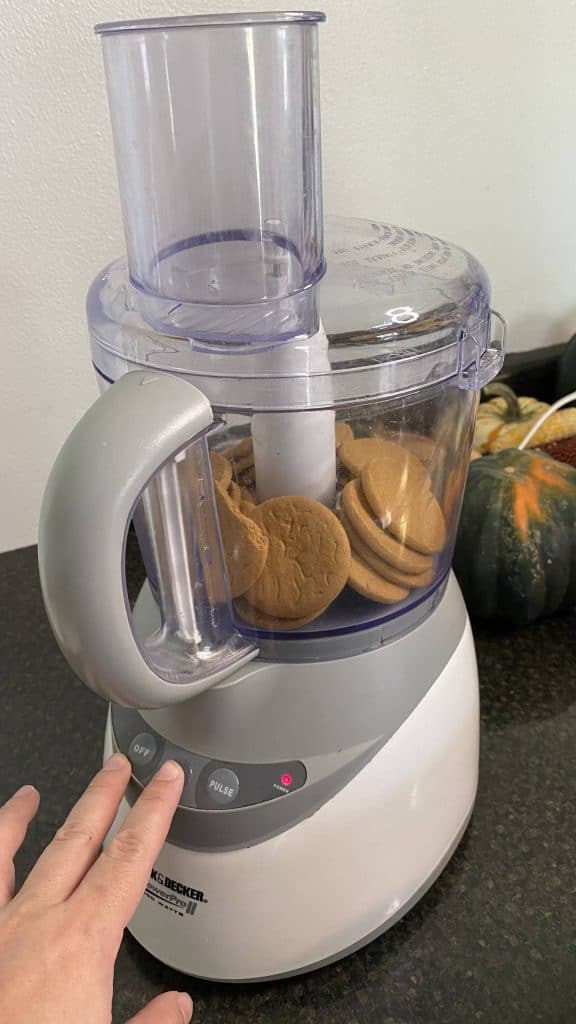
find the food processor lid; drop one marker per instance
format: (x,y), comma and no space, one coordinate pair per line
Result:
(402,310)
(388,282)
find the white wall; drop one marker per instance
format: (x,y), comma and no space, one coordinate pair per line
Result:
(454,116)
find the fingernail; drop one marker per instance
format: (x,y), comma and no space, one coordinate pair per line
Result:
(169,771)
(25,791)
(114,762)
(184,1001)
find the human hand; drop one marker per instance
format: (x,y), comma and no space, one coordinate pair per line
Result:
(60,935)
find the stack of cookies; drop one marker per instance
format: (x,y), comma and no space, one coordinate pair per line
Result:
(393,521)
(289,557)
(307,565)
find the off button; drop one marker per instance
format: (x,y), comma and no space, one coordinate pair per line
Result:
(142,749)
(223,786)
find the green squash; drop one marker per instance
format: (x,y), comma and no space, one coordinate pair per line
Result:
(515,556)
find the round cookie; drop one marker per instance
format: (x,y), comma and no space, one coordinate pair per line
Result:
(240,450)
(241,456)
(358,453)
(382,544)
(308,557)
(241,465)
(365,553)
(260,620)
(424,448)
(235,492)
(344,433)
(221,469)
(399,499)
(245,544)
(365,581)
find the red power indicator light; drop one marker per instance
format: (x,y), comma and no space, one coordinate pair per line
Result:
(286,780)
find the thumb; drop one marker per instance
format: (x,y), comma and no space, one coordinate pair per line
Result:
(169,1008)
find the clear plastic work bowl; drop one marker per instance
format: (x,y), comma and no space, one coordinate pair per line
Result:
(377,554)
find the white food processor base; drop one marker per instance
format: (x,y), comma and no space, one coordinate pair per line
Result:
(339,878)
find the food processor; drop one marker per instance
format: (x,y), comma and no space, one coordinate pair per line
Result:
(286,420)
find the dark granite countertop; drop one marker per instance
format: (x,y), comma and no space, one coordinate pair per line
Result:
(495,938)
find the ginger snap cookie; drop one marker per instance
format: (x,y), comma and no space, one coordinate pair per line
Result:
(365,581)
(401,501)
(245,544)
(235,492)
(240,466)
(358,453)
(260,620)
(383,568)
(372,533)
(221,469)
(423,447)
(308,558)
(344,433)
(241,456)
(240,450)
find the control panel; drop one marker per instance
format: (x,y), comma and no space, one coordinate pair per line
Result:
(209,784)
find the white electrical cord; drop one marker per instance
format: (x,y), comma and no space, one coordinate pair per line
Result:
(542,419)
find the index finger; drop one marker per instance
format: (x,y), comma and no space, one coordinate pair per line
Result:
(115,884)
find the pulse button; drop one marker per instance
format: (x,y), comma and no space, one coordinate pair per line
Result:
(142,749)
(223,786)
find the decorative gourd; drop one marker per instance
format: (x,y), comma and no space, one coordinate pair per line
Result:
(505,419)
(515,555)
(499,411)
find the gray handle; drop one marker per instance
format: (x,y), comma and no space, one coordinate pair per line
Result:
(129,433)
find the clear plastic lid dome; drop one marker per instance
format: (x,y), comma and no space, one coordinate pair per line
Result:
(402,311)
